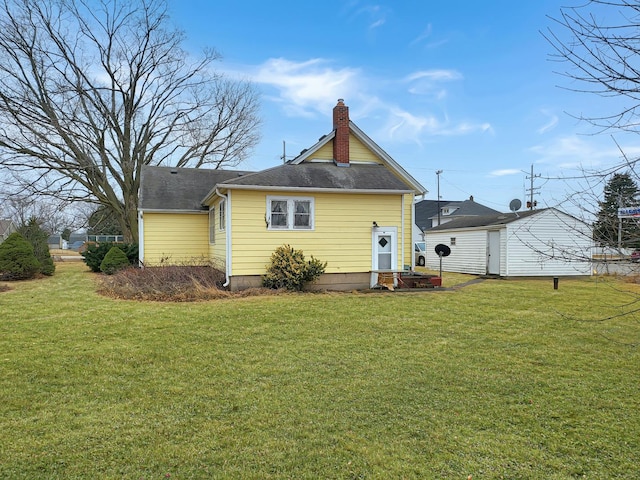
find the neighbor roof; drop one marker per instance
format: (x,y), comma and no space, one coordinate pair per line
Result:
(428,209)
(170,188)
(485,220)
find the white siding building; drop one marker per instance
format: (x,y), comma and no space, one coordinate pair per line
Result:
(544,242)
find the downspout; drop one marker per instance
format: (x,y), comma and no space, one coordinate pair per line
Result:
(227,232)
(140,239)
(402,231)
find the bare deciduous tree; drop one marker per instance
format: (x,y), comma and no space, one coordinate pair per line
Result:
(90,91)
(52,216)
(598,41)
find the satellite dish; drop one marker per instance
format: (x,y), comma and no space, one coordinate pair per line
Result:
(515,205)
(443,250)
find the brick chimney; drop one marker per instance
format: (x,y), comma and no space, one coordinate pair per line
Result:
(341,140)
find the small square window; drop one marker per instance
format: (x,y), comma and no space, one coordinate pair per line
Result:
(453,241)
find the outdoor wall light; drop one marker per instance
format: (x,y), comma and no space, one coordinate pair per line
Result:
(375,224)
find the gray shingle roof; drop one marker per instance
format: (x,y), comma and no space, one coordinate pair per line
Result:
(484,220)
(428,209)
(169,188)
(323,175)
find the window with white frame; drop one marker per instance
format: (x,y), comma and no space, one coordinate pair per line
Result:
(290,213)
(212,224)
(222,211)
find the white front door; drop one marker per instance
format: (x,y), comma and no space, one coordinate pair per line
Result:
(493,253)
(385,248)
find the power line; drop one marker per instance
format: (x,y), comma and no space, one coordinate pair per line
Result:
(532,190)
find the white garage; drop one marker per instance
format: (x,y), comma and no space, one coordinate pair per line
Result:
(544,242)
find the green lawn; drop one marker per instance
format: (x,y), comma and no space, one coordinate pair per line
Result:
(501,379)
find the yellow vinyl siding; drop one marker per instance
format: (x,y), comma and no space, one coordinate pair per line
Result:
(175,237)
(342,233)
(357,152)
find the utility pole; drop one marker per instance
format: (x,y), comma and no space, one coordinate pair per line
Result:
(438,172)
(531,204)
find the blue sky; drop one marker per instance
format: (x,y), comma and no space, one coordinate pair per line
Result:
(465,87)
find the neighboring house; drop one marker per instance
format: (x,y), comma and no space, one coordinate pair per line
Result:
(427,212)
(544,242)
(344,201)
(427,218)
(56,242)
(7,227)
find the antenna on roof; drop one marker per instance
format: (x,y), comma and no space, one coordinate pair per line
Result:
(284,152)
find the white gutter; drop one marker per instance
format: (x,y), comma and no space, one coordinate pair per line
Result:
(369,191)
(173,210)
(402,230)
(140,239)
(227,231)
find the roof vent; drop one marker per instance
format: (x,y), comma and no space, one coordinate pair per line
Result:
(174,171)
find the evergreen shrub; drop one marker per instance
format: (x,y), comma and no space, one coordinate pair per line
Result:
(37,237)
(288,269)
(17,260)
(95,253)
(114,260)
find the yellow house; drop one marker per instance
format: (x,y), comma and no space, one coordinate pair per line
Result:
(344,201)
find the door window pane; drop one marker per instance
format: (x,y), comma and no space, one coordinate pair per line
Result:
(384,252)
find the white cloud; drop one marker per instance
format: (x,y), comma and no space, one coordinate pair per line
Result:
(434,75)
(429,82)
(552,122)
(424,35)
(310,88)
(306,88)
(404,126)
(575,152)
(504,172)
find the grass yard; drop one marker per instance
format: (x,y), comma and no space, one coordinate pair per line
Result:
(501,379)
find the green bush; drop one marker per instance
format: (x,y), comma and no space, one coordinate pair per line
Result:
(114,260)
(37,237)
(17,260)
(288,269)
(95,253)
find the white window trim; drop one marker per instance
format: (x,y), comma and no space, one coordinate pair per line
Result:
(212,225)
(290,212)
(377,232)
(222,214)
